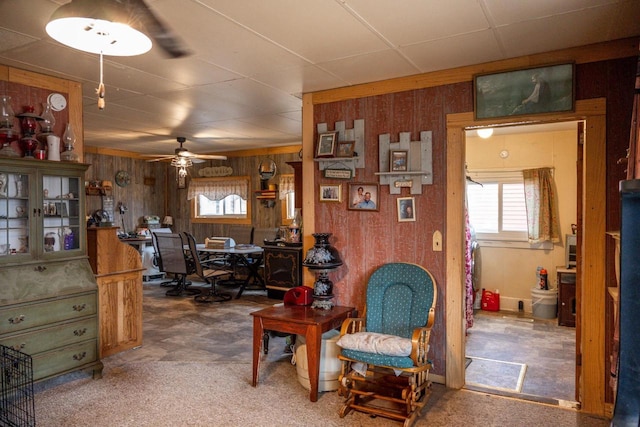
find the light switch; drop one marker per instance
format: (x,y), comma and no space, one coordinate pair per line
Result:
(437,241)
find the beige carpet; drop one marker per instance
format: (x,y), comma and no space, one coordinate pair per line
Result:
(219,394)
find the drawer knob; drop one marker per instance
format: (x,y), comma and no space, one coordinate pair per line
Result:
(16,320)
(79,307)
(80,356)
(80,332)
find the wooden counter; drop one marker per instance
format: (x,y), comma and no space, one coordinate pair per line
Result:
(118,270)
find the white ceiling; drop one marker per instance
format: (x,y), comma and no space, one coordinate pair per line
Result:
(252,59)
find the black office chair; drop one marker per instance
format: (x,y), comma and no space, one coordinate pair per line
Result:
(157,262)
(209,275)
(176,261)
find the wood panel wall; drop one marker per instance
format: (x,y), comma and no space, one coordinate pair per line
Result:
(164,197)
(369,239)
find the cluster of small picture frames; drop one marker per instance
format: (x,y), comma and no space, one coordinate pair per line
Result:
(328,146)
(364,196)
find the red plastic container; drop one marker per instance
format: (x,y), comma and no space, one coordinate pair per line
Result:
(490,301)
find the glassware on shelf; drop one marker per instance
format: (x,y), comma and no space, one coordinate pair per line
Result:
(29,121)
(69,139)
(7,134)
(6,112)
(29,145)
(46,129)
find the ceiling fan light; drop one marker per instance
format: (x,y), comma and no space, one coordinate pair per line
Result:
(98,26)
(182,172)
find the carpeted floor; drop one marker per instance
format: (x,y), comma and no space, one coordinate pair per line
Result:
(194,369)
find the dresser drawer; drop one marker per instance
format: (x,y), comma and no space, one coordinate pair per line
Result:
(37,341)
(64,359)
(24,316)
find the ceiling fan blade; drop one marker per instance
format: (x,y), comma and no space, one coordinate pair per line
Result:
(186,153)
(161,33)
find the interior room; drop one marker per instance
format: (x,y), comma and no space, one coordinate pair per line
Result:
(545,341)
(177,221)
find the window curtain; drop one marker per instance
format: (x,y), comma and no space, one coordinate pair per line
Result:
(542,207)
(287,185)
(218,189)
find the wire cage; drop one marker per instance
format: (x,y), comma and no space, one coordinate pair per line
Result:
(17,408)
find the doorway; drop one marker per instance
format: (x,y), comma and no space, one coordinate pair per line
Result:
(510,351)
(590,272)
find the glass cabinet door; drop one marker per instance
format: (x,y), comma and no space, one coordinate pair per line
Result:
(15,214)
(61,211)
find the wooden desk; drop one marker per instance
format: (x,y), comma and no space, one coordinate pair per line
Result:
(301,320)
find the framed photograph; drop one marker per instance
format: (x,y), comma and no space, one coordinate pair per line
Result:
(331,193)
(363,196)
(406,209)
(399,161)
(182,181)
(326,144)
(523,92)
(345,148)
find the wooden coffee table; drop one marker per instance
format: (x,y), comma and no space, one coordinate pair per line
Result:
(300,320)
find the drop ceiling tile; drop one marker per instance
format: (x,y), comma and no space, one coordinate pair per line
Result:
(300,79)
(555,32)
(456,51)
(405,22)
(218,40)
(506,12)
(371,67)
(317,30)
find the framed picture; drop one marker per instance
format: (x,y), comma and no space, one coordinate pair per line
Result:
(331,193)
(406,209)
(399,160)
(523,92)
(345,148)
(182,181)
(326,144)
(363,196)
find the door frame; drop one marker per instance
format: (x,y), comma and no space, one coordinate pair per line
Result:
(590,352)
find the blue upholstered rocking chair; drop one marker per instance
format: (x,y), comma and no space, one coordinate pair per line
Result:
(385,370)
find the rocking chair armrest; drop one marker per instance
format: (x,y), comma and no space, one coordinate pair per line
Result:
(352,325)
(420,345)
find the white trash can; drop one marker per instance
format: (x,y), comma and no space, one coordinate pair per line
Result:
(329,363)
(544,303)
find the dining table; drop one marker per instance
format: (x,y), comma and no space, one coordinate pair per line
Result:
(239,256)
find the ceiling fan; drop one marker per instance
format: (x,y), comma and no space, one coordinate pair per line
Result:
(182,156)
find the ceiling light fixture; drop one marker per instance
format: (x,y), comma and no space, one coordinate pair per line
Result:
(181,164)
(104,27)
(485,132)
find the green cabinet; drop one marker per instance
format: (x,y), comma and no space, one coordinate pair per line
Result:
(48,292)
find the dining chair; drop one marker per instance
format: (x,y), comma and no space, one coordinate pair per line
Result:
(174,260)
(203,269)
(385,370)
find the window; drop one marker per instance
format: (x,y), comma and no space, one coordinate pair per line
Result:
(220,200)
(497,209)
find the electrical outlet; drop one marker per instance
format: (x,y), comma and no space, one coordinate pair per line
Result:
(437,241)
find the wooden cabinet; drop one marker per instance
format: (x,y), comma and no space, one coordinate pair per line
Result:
(118,270)
(566,297)
(282,268)
(48,294)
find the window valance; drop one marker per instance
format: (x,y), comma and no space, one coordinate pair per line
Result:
(218,188)
(287,185)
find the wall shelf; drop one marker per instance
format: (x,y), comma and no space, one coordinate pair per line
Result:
(420,164)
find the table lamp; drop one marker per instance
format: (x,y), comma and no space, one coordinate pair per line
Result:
(168,220)
(321,259)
